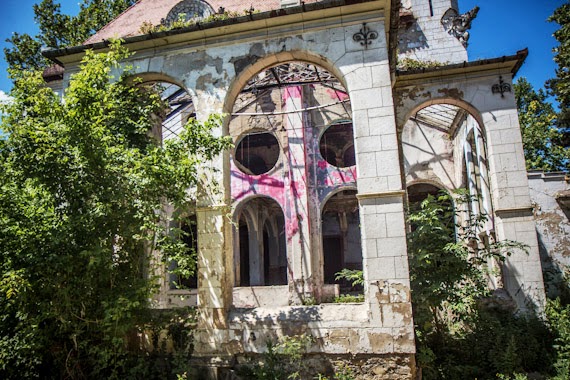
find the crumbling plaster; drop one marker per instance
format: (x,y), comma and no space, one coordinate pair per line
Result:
(547,192)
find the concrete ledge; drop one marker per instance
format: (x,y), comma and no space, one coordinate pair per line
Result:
(260,296)
(514,212)
(385,194)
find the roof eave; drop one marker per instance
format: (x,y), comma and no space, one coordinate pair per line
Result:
(506,64)
(63,55)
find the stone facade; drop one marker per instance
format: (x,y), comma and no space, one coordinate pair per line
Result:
(550,195)
(329,139)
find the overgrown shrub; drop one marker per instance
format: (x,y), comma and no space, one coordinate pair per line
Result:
(282,361)
(458,335)
(81,181)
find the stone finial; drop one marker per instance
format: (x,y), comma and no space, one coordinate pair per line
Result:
(458,25)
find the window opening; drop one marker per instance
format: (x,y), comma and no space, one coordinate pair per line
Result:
(419,192)
(244,253)
(178,109)
(262,256)
(337,145)
(257,153)
(189,236)
(341,239)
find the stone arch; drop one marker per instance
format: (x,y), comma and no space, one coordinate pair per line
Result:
(238,207)
(432,138)
(154,76)
(252,69)
(260,255)
(430,182)
(334,192)
(180,95)
(340,237)
(404,113)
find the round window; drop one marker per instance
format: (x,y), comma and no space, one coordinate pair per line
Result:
(257,153)
(337,145)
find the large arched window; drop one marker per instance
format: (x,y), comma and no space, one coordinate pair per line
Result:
(475,173)
(261,251)
(178,109)
(292,128)
(187,232)
(341,237)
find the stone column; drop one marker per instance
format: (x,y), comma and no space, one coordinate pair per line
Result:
(296,220)
(215,253)
(522,271)
(380,194)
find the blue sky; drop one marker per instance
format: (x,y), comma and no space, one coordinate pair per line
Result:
(501,28)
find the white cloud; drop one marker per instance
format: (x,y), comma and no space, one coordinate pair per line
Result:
(4,98)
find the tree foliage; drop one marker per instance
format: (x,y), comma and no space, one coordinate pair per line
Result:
(542,138)
(462,330)
(82,182)
(560,85)
(58,30)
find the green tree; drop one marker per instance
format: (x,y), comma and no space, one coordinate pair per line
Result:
(560,85)
(81,185)
(542,138)
(462,330)
(58,30)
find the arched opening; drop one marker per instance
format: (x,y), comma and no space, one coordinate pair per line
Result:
(261,252)
(341,240)
(436,143)
(188,278)
(444,143)
(419,192)
(178,108)
(292,127)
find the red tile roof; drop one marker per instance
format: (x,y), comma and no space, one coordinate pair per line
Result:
(129,23)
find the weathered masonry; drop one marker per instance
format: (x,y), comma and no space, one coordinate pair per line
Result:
(331,140)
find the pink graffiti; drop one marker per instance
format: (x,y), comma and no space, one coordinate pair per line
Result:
(297,188)
(337,95)
(292,92)
(341,176)
(243,185)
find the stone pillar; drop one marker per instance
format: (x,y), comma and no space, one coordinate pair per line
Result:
(522,271)
(215,252)
(297,228)
(380,194)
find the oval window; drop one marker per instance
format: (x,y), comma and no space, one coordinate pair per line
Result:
(337,145)
(257,153)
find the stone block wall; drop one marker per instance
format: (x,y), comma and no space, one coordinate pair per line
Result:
(422,35)
(549,194)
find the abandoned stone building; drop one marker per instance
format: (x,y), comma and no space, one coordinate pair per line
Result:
(331,142)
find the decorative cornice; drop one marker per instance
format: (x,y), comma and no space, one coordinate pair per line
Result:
(505,65)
